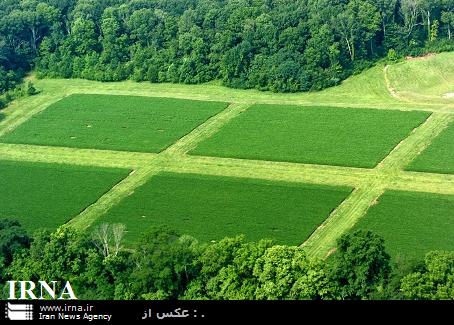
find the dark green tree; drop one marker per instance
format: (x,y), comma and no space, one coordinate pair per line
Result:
(360,265)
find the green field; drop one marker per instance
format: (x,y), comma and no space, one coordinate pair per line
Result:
(211,208)
(127,123)
(314,135)
(48,195)
(439,156)
(412,223)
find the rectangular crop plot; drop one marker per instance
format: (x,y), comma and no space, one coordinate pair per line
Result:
(48,195)
(313,135)
(412,223)
(126,123)
(439,156)
(211,207)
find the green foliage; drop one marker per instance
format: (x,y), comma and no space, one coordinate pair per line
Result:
(392,56)
(210,207)
(64,255)
(284,272)
(31,90)
(13,238)
(163,265)
(360,265)
(281,46)
(435,281)
(226,270)
(46,195)
(400,217)
(315,135)
(79,121)
(233,269)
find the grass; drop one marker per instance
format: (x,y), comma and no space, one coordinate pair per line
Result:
(314,135)
(412,223)
(48,195)
(425,79)
(439,156)
(133,124)
(371,89)
(210,207)
(367,89)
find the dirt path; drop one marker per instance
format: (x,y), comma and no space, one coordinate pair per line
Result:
(392,91)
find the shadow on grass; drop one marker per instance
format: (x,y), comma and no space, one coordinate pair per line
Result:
(2,116)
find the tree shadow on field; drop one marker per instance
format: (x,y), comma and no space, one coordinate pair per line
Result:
(2,116)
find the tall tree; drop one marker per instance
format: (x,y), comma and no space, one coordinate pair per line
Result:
(434,281)
(360,265)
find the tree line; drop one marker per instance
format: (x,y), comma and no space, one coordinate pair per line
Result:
(166,265)
(278,45)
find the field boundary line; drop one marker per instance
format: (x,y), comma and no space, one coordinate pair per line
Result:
(355,206)
(76,156)
(117,193)
(416,142)
(20,116)
(323,240)
(368,184)
(206,129)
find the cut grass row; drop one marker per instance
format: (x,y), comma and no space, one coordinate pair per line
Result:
(340,98)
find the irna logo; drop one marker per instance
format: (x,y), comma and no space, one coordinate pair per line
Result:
(44,290)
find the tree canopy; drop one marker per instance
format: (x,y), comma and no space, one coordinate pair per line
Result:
(278,45)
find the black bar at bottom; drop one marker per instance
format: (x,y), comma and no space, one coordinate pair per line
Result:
(215,312)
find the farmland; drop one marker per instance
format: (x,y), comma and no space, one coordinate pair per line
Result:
(214,162)
(80,121)
(211,208)
(439,157)
(314,135)
(412,223)
(48,195)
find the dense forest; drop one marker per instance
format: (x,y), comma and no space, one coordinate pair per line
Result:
(278,45)
(166,265)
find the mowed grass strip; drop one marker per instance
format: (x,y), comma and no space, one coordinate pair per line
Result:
(412,223)
(48,195)
(211,208)
(125,123)
(313,135)
(439,156)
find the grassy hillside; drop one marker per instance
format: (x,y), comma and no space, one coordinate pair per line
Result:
(425,79)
